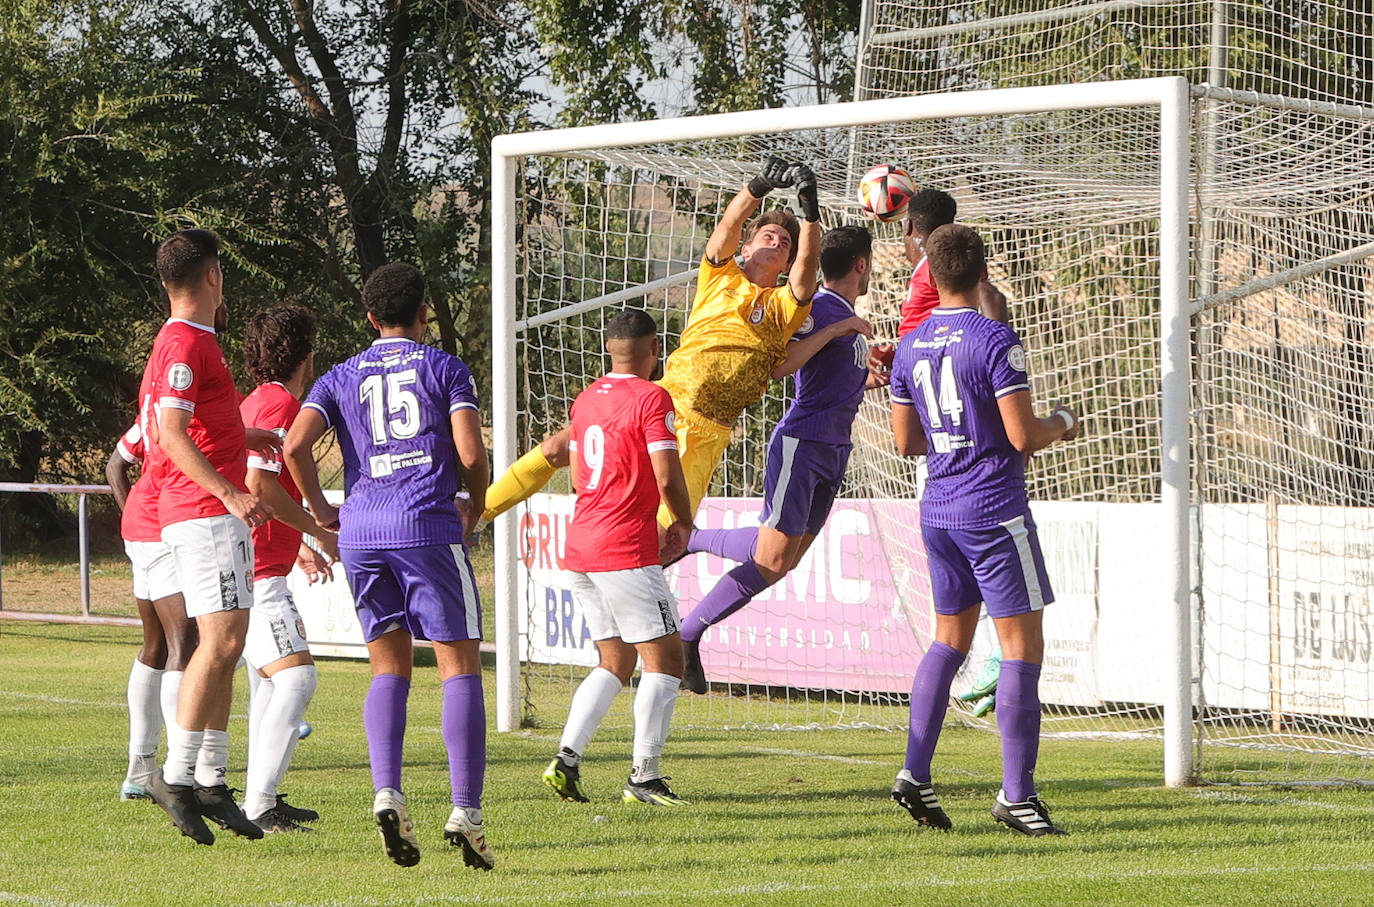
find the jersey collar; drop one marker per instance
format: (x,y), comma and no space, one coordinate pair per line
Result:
(201,327)
(380,340)
(945,310)
(619,375)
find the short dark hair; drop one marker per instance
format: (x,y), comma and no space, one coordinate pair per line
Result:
(631,324)
(931,208)
(185,256)
(394,293)
(841,249)
(783,218)
(956,257)
(277,341)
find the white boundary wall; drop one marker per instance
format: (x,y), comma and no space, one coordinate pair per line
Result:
(1168,95)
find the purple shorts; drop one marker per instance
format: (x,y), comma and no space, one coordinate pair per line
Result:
(800,483)
(429,592)
(1001,567)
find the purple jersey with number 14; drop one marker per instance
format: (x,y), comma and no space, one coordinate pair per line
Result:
(390,407)
(953,368)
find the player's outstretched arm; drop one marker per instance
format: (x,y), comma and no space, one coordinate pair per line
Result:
(299,454)
(117,476)
(672,490)
(805,273)
(173,423)
(776,174)
(907,431)
(264,484)
(799,352)
(1028,433)
(466,426)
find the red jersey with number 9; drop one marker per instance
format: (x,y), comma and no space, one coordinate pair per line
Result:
(616,423)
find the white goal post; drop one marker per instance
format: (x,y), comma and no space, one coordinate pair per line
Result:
(1170,96)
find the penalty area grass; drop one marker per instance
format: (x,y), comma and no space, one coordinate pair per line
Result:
(776,817)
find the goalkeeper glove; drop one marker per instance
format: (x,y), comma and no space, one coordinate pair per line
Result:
(776,174)
(806,192)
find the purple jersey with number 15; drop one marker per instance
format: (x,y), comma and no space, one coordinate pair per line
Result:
(390,407)
(953,368)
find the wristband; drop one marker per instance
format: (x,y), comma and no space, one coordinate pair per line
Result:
(1069,420)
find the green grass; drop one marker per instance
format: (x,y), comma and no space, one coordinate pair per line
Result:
(777,817)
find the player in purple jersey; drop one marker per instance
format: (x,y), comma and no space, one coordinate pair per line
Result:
(809,448)
(406,419)
(961,396)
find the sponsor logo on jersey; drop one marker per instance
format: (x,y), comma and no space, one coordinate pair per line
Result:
(180,376)
(1016,358)
(756,316)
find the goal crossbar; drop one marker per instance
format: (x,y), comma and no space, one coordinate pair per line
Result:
(1170,96)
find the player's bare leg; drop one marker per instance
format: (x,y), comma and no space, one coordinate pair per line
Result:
(464,728)
(145,713)
(1018,721)
(277,706)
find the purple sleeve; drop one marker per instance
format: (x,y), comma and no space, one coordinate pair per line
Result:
(462,390)
(1007,363)
(902,391)
(321,397)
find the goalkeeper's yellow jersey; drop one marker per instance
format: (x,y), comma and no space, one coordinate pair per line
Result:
(736,334)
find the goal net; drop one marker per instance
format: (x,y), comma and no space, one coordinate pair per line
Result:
(1281,226)
(1065,183)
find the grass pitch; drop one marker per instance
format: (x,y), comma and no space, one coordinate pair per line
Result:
(776,818)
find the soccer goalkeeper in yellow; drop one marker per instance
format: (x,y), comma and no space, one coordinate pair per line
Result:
(736,334)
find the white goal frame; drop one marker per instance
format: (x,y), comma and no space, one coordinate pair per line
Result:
(1169,95)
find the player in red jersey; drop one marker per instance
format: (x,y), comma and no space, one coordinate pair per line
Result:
(190,408)
(625,462)
(168,637)
(928,209)
(278,350)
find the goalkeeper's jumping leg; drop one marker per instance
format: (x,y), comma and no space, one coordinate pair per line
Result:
(527,475)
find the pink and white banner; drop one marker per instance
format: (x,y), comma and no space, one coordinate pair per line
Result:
(847,618)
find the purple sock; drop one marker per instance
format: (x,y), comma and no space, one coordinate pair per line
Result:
(1018,719)
(733,592)
(384,722)
(731,544)
(929,699)
(464,726)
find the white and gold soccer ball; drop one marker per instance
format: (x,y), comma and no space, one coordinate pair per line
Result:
(885,190)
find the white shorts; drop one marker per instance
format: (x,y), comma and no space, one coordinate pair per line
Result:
(155,570)
(214,556)
(634,605)
(275,628)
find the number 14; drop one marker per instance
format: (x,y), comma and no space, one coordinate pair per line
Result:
(948,390)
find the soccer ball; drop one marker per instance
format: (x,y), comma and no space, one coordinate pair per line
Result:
(885,190)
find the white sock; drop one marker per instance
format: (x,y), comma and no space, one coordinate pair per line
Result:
(277,734)
(183,747)
(589,706)
(145,714)
(259,698)
(653,713)
(171,689)
(212,761)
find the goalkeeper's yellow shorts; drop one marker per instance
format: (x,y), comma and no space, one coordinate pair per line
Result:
(701,445)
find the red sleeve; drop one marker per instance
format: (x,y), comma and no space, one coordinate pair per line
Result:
(658,420)
(920,299)
(131,447)
(271,412)
(181,373)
